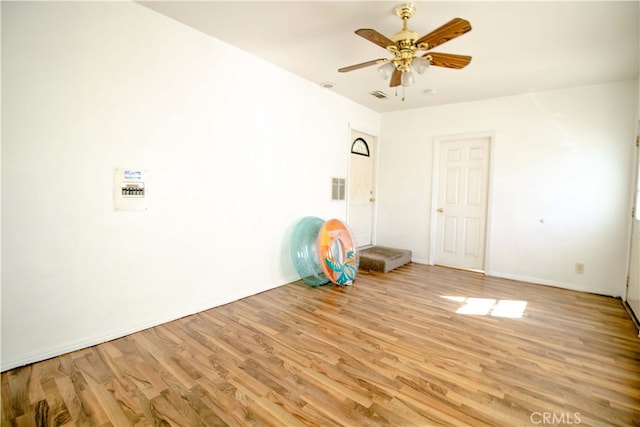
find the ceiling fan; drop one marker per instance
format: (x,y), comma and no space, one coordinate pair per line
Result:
(405,45)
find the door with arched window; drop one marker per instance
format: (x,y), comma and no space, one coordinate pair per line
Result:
(360,187)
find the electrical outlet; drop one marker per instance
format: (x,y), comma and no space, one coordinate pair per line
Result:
(579,268)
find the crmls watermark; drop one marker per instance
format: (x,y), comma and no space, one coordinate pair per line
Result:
(555,418)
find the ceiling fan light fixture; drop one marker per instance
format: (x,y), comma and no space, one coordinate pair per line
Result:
(407,78)
(386,69)
(421,64)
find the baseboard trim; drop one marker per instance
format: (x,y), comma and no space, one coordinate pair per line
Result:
(632,315)
(537,281)
(38,356)
(545,282)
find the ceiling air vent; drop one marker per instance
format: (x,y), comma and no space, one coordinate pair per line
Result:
(378,94)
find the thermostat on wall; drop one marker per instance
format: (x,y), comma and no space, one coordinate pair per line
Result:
(129,190)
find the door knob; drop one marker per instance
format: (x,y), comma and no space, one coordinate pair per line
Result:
(440,210)
(372,200)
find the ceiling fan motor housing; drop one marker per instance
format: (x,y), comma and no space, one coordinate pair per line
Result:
(405,48)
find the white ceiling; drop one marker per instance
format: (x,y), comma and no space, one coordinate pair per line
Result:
(517,47)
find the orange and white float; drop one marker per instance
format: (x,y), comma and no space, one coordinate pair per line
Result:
(337,252)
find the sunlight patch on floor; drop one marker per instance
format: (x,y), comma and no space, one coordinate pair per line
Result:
(513,309)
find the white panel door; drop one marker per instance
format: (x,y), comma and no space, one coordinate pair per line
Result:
(361,197)
(463,180)
(633,287)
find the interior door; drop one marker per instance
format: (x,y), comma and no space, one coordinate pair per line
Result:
(463,180)
(633,288)
(361,193)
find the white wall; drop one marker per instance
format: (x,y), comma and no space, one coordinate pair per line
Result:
(563,156)
(236,151)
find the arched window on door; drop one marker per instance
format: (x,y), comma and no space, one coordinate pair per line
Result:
(360,147)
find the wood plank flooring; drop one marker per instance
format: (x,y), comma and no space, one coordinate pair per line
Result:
(391,350)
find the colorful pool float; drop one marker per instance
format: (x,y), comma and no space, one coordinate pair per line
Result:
(304,251)
(337,252)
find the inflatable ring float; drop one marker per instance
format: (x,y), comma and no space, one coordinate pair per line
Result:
(304,251)
(337,251)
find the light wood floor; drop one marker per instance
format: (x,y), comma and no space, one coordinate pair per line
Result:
(389,350)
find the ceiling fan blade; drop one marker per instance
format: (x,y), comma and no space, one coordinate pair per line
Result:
(396,78)
(375,37)
(362,65)
(448,60)
(452,29)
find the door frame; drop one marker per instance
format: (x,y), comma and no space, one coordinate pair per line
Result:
(435,169)
(374,151)
(633,230)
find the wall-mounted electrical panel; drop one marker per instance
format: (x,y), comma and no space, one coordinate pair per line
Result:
(129,190)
